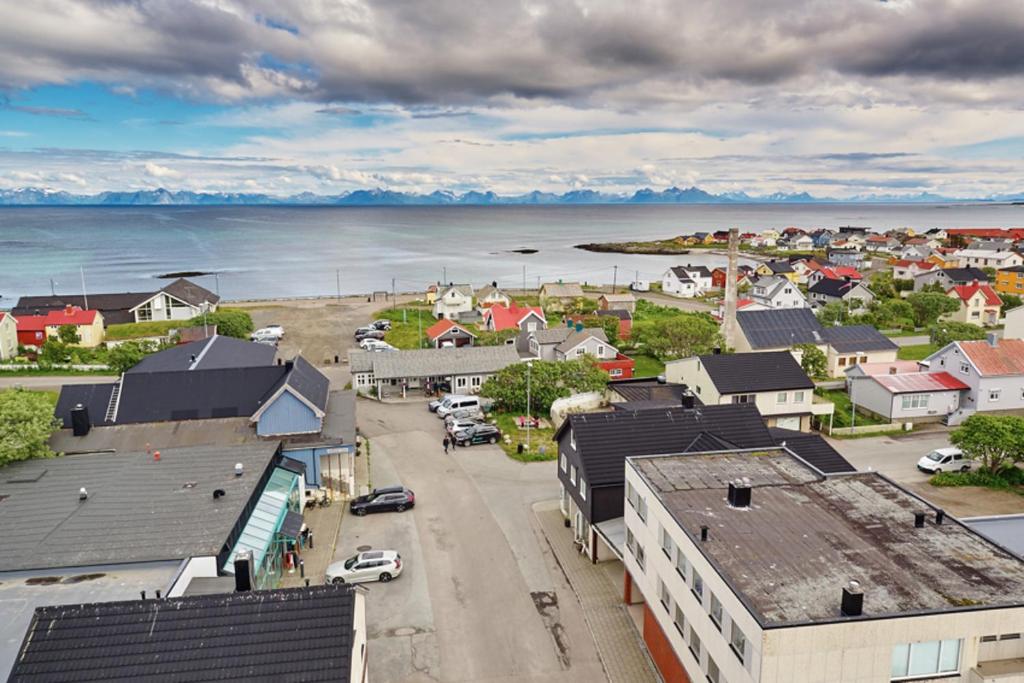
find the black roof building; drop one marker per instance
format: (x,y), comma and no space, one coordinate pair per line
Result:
(961,276)
(308,634)
(736,373)
(620,313)
(784,328)
(650,391)
(779,267)
(832,287)
(812,449)
(212,353)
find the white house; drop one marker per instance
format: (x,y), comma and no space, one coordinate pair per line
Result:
(902,391)
(993,371)
(1014,323)
(988,258)
(777,292)
(754,566)
(904,269)
(677,282)
(453,300)
(180,300)
(8,336)
(489,295)
(569,343)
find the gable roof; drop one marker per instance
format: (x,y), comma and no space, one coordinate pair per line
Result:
(619,298)
(812,449)
(552,335)
(967,292)
(680,273)
(734,373)
(138,510)
(834,288)
(620,313)
(965,275)
(31,323)
(463,360)
(778,267)
(773,284)
(911,382)
(785,327)
(562,290)
(250,635)
(307,383)
(578,337)
(487,290)
(114,307)
(1005,358)
(852,338)
(442,326)
(605,440)
(73,316)
(213,353)
(920,265)
(505,318)
(190,292)
(463,289)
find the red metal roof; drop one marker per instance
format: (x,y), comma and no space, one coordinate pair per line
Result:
(913,382)
(442,326)
(906,263)
(966,292)
(32,323)
(70,316)
(507,318)
(1007,358)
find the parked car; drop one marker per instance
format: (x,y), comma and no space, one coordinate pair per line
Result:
(373,565)
(944,460)
(480,433)
(473,412)
(369,334)
(436,403)
(275,329)
(388,499)
(266,342)
(461,424)
(265,334)
(382,324)
(455,402)
(376,345)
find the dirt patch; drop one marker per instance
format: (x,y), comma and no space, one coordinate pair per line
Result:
(546,603)
(42,580)
(79,578)
(969,501)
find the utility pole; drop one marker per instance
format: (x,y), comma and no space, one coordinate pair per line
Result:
(444,275)
(524,279)
(392,292)
(636,276)
(529,420)
(419,321)
(853,403)
(53,292)
(337,276)
(216,279)
(85,296)
(615,277)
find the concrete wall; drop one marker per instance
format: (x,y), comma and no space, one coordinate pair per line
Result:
(196,567)
(288,415)
(1014,319)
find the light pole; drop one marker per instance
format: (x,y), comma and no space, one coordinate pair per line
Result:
(853,402)
(529,420)
(216,278)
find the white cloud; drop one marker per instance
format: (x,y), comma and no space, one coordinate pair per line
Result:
(154,170)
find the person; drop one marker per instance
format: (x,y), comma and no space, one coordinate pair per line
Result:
(446,442)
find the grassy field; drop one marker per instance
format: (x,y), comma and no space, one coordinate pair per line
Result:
(647,366)
(916,351)
(407,334)
(156,328)
(841,418)
(538,438)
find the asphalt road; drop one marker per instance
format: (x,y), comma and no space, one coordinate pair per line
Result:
(51,382)
(475,599)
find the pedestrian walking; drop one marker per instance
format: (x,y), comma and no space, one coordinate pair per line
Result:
(446,442)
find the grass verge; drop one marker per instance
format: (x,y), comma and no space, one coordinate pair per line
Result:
(156,328)
(538,437)
(916,351)
(841,417)
(647,366)
(407,326)
(1011,479)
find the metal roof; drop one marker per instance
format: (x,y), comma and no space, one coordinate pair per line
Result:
(1006,358)
(465,360)
(213,353)
(782,327)
(853,338)
(919,382)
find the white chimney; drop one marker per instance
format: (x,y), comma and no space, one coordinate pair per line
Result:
(238,469)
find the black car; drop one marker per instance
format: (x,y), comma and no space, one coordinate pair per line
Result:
(367,333)
(382,324)
(392,498)
(481,433)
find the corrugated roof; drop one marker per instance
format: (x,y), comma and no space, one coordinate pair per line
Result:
(919,381)
(1006,358)
(255,635)
(465,360)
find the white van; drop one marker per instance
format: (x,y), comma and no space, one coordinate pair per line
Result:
(455,402)
(944,460)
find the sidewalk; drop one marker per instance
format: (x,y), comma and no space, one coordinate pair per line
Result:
(618,643)
(324,523)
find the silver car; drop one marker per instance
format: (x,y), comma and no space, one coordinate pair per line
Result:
(373,565)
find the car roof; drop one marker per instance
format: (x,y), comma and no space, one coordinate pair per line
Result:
(390,489)
(949,450)
(378,555)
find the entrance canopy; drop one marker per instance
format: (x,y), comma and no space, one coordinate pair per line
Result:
(266,519)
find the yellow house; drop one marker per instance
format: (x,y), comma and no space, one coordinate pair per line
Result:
(780,268)
(979,304)
(944,261)
(88,325)
(1010,280)
(431,294)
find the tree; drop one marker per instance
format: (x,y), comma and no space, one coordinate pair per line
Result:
(54,352)
(1010,301)
(581,305)
(26,423)
(230,322)
(835,313)
(126,355)
(813,360)
(882,285)
(995,442)
(608,323)
(888,314)
(68,334)
(944,333)
(548,381)
(486,338)
(929,306)
(680,336)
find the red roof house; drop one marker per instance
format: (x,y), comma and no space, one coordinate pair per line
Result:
(31,330)
(979,304)
(447,332)
(498,317)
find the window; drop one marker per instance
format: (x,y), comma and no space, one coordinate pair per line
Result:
(913,401)
(475,381)
(641,508)
(460,382)
(781,397)
(744,398)
(641,556)
(863,359)
(630,541)
(572,439)
(580,351)
(698,587)
(994,394)
(738,642)
(615,372)
(716,611)
(798,397)
(631,495)
(714,675)
(695,644)
(842,361)
(664,597)
(965,368)
(925,659)
(564,462)
(666,543)
(679,621)
(583,489)
(681,564)
(572,473)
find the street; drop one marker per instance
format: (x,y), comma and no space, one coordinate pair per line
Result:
(51,382)
(480,597)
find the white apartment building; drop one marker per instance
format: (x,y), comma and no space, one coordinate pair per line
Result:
(758,567)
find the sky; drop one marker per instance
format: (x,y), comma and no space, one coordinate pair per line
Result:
(837,98)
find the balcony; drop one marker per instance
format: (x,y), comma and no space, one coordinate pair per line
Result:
(998,671)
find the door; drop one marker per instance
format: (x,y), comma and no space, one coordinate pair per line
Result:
(788,423)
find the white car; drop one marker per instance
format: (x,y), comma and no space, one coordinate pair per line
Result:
(944,460)
(265,334)
(375,345)
(274,329)
(373,565)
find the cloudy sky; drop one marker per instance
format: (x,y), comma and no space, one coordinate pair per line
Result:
(838,99)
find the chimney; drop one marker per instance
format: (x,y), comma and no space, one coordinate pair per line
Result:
(83,494)
(853,600)
(892,369)
(80,424)
(68,309)
(918,520)
(717,351)
(218,493)
(238,469)
(288,365)
(703,532)
(729,314)
(687,400)
(244,578)
(940,516)
(993,339)
(739,494)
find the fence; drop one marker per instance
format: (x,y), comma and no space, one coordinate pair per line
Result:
(868,429)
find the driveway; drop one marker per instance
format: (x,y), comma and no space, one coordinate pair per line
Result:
(481,597)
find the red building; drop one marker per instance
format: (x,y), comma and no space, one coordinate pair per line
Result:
(620,368)
(31,330)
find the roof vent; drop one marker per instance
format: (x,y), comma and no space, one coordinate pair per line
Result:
(703,532)
(892,369)
(918,520)
(238,469)
(940,516)
(218,493)
(739,493)
(993,339)
(853,600)
(83,494)
(687,400)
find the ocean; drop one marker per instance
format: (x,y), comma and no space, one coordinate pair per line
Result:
(270,252)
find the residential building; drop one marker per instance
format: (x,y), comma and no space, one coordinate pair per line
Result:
(646,392)
(677,282)
(766,568)
(8,336)
(1010,280)
(979,304)
(853,293)
(213,353)
(88,325)
(625,319)
(773,381)
(987,258)
(446,332)
(558,295)
(992,244)
(851,230)
(992,369)
(949,277)
(833,273)
(904,269)
(881,243)
(117,523)
(180,300)
(157,640)
(431,294)
(718,277)
(846,257)
(903,392)
(800,243)
(463,369)
(525,319)
(768,269)
(822,238)
(1013,323)
(1012,234)
(617,302)
(31,330)
(491,294)
(453,301)
(777,292)
(570,343)
(781,330)
(916,252)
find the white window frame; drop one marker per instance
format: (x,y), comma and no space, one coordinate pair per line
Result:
(572,438)
(900,668)
(781,397)
(798,397)
(583,488)
(914,401)
(965,368)
(572,474)
(715,611)
(994,395)
(564,462)
(738,642)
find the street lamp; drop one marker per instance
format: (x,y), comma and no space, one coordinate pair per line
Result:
(529,367)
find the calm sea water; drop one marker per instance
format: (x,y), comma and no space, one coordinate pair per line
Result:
(297,251)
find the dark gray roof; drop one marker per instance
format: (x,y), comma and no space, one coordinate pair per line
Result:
(779,266)
(464,360)
(807,535)
(94,397)
(833,287)
(212,353)
(962,275)
(139,509)
(312,384)
(812,449)
(648,390)
(1006,530)
(735,373)
(782,327)
(190,292)
(256,635)
(604,440)
(114,307)
(857,338)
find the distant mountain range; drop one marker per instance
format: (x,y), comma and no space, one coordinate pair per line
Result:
(381,197)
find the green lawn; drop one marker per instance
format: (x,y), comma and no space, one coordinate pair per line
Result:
(647,366)
(538,437)
(407,334)
(916,351)
(841,417)
(156,328)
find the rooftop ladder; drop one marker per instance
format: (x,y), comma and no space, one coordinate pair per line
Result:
(115,400)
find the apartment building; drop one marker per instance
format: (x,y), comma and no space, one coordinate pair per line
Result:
(765,569)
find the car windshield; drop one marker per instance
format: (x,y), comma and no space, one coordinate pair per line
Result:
(936,456)
(350,562)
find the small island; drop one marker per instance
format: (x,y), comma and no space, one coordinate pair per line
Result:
(672,246)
